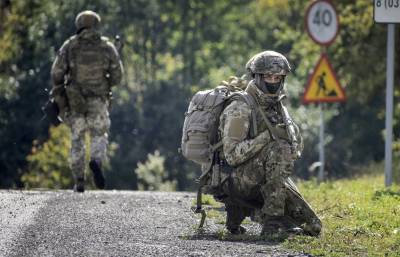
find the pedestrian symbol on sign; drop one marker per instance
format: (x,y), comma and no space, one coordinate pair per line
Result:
(323,86)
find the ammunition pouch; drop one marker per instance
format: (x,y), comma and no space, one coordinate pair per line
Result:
(219,174)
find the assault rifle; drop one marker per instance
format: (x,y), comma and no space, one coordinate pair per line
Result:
(56,104)
(51,111)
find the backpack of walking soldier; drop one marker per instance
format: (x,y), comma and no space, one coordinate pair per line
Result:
(200,128)
(86,59)
(87,76)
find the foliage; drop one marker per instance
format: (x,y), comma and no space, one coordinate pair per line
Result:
(173,48)
(152,175)
(48,163)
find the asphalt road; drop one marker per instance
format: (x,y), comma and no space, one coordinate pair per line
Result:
(114,223)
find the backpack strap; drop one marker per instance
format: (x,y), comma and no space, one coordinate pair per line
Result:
(198,208)
(70,59)
(250,101)
(252,104)
(202,180)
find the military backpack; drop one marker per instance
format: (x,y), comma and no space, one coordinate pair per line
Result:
(200,129)
(200,139)
(87,62)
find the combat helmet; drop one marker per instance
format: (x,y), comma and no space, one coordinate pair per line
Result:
(268,62)
(87,19)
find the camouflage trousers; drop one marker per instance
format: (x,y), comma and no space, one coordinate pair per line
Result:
(96,121)
(261,188)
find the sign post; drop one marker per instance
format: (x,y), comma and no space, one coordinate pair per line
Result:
(321,144)
(389,105)
(323,86)
(322,24)
(388,11)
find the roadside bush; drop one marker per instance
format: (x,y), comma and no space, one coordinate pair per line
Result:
(48,163)
(152,175)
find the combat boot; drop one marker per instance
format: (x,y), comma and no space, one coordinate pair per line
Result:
(313,228)
(280,225)
(79,186)
(95,166)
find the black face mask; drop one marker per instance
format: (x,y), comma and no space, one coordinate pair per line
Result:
(267,88)
(272,87)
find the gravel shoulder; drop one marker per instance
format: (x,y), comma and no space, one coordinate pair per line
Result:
(115,223)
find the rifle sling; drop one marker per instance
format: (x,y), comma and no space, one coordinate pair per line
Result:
(271,128)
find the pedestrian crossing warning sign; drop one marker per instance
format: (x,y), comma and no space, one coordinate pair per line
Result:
(323,85)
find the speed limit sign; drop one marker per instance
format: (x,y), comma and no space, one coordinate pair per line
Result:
(322,22)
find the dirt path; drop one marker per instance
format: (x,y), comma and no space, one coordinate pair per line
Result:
(114,223)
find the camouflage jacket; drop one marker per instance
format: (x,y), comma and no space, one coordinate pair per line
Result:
(236,122)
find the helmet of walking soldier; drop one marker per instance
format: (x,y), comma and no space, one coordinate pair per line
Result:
(87,19)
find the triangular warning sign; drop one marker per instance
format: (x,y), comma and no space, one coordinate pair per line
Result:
(322,85)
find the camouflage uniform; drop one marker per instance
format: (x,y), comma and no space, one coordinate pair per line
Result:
(256,168)
(87,65)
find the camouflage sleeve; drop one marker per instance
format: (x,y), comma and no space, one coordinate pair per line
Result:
(115,69)
(60,65)
(235,125)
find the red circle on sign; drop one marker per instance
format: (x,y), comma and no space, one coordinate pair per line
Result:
(310,33)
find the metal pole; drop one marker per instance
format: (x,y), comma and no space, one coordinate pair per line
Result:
(321,144)
(389,105)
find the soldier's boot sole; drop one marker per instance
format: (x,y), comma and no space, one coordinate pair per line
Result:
(99,180)
(79,186)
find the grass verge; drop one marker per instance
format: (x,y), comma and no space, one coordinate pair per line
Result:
(360,218)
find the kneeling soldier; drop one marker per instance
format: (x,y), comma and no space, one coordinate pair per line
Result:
(260,146)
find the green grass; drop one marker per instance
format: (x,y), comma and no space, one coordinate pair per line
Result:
(360,218)
(208,200)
